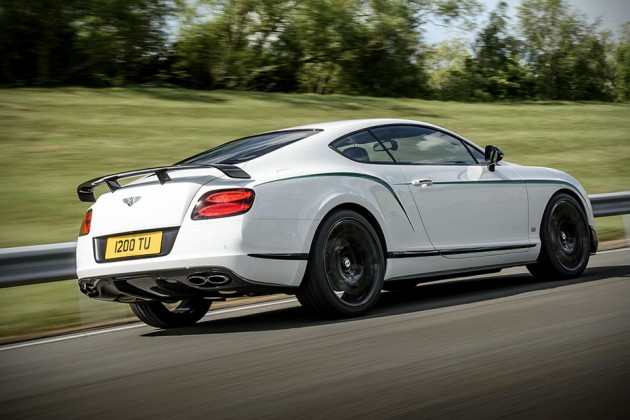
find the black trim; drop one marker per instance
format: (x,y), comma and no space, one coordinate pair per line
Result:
(172,284)
(289,257)
(484,249)
(412,254)
(444,252)
(85,191)
(405,254)
(449,274)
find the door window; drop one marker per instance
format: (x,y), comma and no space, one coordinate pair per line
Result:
(421,145)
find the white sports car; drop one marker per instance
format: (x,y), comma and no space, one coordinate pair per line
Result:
(333,213)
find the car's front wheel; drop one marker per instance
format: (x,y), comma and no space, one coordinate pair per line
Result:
(160,315)
(565,240)
(346,268)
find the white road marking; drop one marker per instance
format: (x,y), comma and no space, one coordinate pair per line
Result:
(137,325)
(613,250)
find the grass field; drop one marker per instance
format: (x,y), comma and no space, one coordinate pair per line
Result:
(53,139)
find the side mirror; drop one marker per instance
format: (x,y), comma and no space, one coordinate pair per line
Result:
(493,155)
(386,144)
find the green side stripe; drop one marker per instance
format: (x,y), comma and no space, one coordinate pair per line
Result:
(510,181)
(524,181)
(506,181)
(543,181)
(479,182)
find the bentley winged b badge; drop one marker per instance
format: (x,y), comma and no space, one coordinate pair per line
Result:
(130,201)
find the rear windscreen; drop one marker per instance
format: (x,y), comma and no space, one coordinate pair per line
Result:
(248,148)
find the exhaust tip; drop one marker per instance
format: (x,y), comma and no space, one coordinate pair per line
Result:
(219,280)
(208,280)
(196,280)
(89,288)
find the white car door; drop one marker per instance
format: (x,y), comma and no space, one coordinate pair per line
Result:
(466,209)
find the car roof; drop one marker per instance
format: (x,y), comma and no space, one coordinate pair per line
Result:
(358,124)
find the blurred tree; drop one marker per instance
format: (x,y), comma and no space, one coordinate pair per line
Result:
(385,55)
(621,58)
(458,14)
(446,63)
(366,47)
(565,53)
(495,71)
(119,40)
(81,41)
(235,44)
(369,47)
(36,40)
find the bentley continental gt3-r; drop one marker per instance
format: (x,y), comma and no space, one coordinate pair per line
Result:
(333,212)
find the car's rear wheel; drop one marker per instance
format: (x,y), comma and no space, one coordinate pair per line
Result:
(565,240)
(160,315)
(346,267)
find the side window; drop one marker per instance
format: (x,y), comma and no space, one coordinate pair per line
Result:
(361,147)
(421,145)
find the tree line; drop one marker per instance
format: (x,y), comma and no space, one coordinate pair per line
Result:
(551,51)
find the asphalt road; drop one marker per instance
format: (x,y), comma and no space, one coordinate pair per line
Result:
(484,347)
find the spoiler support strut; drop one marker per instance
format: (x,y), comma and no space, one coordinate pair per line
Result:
(85,191)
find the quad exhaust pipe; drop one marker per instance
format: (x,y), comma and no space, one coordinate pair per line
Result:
(208,280)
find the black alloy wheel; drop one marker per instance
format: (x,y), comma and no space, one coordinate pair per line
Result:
(565,238)
(346,268)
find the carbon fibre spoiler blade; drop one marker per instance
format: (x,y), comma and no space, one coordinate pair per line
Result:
(86,189)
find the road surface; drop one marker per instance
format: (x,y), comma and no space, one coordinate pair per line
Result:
(483,347)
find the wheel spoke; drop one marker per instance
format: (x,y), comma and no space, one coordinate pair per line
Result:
(345,269)
(567,235)
(350,261)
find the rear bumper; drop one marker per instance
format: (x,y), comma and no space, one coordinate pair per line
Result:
(204,282)
(232,245)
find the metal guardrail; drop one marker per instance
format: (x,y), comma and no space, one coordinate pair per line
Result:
(46,263)
(37,264)
(611,204)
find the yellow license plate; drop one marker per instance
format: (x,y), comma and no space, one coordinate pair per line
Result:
(133,245)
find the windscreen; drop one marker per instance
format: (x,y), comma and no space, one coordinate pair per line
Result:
(248,148)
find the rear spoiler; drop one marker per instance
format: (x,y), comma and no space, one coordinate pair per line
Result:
(86,190)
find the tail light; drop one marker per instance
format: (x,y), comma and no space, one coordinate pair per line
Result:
(86,224)
(223,203)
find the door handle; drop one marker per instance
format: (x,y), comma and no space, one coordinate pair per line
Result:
(422,183)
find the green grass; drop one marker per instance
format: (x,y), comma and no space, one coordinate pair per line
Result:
(53,139)
(36,309)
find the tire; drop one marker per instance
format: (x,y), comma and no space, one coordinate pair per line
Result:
(345,271)
(565,240)
(185,314)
